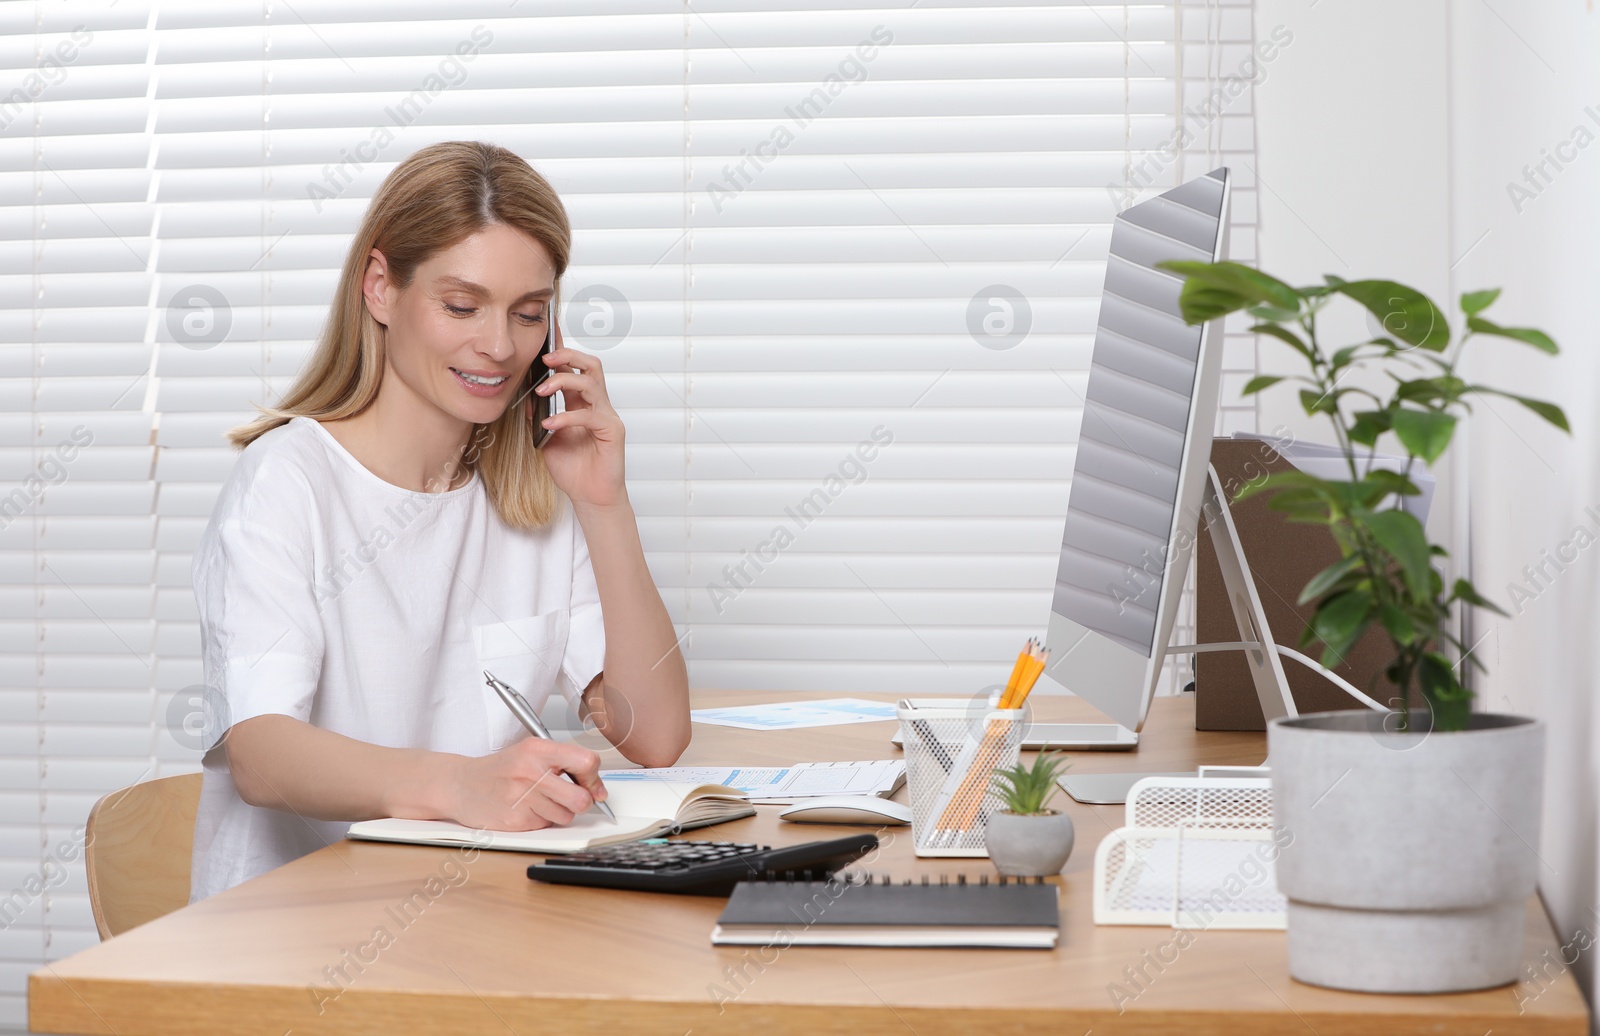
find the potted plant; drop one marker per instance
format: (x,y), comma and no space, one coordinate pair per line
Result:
(1026,837)
(1414,831)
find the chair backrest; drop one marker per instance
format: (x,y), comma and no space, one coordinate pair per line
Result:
(137,846)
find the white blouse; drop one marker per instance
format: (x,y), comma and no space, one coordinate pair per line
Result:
(328,594)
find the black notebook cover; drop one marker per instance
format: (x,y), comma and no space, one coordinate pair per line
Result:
(775,904)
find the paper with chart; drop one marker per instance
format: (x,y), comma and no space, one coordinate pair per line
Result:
(781,784)
(788,715)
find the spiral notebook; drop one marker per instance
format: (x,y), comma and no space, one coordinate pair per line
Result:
(644,809)
(846,911)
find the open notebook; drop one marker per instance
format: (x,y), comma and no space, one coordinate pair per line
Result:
(644,809)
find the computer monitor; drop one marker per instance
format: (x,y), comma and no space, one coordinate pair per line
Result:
(1143,454)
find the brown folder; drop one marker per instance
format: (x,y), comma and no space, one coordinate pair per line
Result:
(1282,556)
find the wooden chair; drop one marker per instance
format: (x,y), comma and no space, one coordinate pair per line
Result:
(136,850)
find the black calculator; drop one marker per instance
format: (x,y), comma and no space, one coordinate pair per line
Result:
(699,868)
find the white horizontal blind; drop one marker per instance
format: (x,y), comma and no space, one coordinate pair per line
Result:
(1222,56)
(79,541)
(795,225)
(898,223)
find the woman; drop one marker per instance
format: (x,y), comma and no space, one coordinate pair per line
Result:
(391,530)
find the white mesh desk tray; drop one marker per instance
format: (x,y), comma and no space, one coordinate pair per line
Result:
(1197,852)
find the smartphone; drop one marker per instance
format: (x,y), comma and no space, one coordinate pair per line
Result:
(543,406)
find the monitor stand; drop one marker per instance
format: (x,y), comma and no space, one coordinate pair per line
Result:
(1107,789)
(1262,653)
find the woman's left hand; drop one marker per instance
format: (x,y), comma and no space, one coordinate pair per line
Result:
(584,452)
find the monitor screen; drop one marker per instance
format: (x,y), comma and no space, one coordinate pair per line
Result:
(1117,550)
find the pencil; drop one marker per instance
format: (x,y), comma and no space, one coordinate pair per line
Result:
(1016,676)
(964,805)
(1029,665)
(1029,677)
(1038,656)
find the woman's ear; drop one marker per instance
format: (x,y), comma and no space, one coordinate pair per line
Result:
(375,287)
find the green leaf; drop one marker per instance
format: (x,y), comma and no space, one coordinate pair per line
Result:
(1339,622)
(1397,624)
(1343,357)
(1328,578)
(1261,381)
(1445,387)
(1027,789)
(1403,312)
(1474,302)
(1295,477)
(1199,303)
(1284,335)
(1392,482)
(1465,591)
(1211,290)
(1243,279)
(1305,514)
(1320,402)
(1549,411)
(1450,714)
(1402,538)
(1289,478)
(1425,433)
(1368,425)
(1274,313)
(1538,339)
(1287,499)
(1364,493)
(1451,702)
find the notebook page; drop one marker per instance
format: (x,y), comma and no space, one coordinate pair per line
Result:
(643,809)
(586,831)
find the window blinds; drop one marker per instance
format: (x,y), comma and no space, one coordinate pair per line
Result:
(842,262)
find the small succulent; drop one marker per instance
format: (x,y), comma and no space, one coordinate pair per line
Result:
(1025,790)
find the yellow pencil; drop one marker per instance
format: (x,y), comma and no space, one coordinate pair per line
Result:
(1016,676)
(1030,676)
(963,807)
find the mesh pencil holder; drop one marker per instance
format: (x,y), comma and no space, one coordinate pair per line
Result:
(951,753)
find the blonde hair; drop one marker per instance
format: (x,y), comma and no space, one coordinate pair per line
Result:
(432,200)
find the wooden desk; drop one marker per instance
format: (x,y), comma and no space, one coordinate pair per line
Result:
(495,952)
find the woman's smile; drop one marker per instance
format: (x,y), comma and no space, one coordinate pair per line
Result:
(481,382)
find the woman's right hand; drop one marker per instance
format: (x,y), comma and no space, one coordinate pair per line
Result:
(520,787)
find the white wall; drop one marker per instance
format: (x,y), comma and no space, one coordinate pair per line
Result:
(1387,136)
(1352,139)
(1518,90)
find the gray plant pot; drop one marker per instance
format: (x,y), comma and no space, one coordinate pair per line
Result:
(1029,845)
(1412,855)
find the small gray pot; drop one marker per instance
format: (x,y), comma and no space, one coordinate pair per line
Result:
(1025,846)
(1413,856)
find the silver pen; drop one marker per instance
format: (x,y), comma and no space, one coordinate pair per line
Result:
(523,711)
